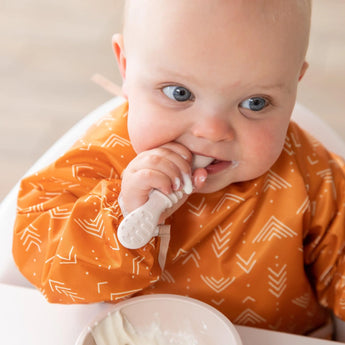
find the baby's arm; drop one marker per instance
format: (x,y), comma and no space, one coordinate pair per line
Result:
(65,239)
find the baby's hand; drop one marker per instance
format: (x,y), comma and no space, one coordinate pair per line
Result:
(161,168)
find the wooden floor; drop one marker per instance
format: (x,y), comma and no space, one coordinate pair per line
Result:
(50,49)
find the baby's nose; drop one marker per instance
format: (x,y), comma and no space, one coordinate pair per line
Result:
(214,129)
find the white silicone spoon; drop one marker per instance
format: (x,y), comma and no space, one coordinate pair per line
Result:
(139,226)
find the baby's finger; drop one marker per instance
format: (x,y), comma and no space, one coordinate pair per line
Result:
(135,190)
(165,162)
(148,179)
(181,151)
(199,178)
(184,166)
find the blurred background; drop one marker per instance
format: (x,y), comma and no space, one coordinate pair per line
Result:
(50,49)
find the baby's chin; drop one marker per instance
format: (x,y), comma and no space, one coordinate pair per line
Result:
(214,185)
(217,182)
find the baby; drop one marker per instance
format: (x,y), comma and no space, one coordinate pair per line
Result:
(261,237)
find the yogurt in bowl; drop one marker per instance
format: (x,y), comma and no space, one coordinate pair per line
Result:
(161,319)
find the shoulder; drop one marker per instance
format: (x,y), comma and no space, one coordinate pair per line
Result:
(307,148)
(112,123)
(106,139)
(314,161)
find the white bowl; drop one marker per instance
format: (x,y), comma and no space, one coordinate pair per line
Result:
(175,315)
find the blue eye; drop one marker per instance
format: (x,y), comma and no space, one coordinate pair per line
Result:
(177,93)
(254,103)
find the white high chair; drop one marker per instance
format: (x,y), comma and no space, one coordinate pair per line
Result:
(9,273)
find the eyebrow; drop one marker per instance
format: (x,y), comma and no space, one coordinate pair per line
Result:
(271,86)
(175,74)
(189,77)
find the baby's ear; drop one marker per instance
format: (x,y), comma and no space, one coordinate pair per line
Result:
(303,70)
(119,51)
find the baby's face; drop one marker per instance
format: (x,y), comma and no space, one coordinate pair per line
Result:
(219,77)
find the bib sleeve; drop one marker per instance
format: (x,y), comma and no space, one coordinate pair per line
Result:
(65,240)
(324,228)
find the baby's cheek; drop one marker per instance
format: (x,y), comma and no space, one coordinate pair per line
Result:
(270,151)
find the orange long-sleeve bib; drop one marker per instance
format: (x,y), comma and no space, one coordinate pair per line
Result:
(267,253)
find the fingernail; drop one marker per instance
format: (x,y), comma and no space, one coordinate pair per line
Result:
(177,184)
(187,183)
(202,178)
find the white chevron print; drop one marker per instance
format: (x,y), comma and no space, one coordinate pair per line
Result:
(136,264)
(249,317)
(107,118)
(312,161)
(326,174)
(275,182)
(49,195)
(304,207)
(221,240)
(328,177)
(274,228)
(117,246)
(277,281)
(60,288)
(180,254)
(276,325)
(246,265)
(94,227)
(99,285)
(302,301)
(34,208)
(69,259)
(76,170)
(197,210)
(245,220)
(194,256)
(99,198)
(87,148)
(59,213)
(337,160)
(314,142)
(44,293)
(325,276)
(114,296)
(37,186)
(30,237)
(111,175)
(218,303)
(294,140)
(167,277)
(342,303)
(61,181)
(217,285)
(114,140)
(288,147)
(226,197)
(248,298)
(341,281)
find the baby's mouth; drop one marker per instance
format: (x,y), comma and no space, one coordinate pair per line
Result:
(201,161)
(212,165)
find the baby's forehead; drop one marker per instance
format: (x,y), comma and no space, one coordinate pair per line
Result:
(145,14)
